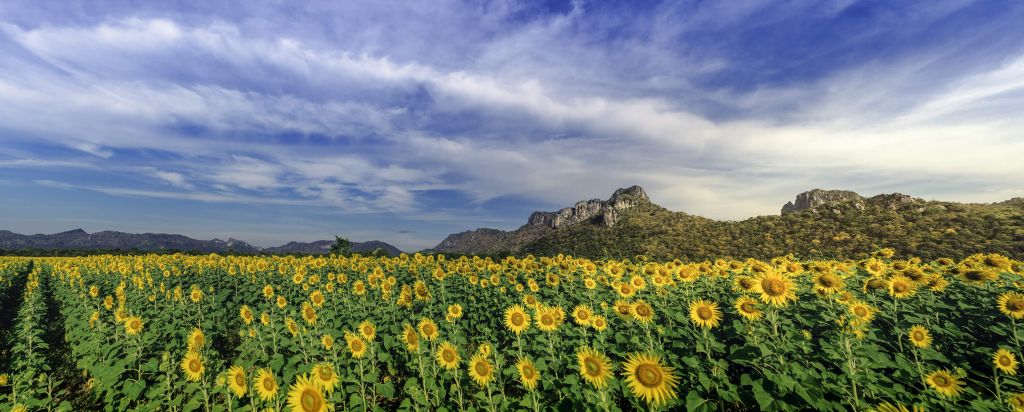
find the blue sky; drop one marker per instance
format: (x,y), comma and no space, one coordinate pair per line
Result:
(406,121)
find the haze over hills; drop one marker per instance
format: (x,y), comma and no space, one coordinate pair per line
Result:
(78,239)
(829,223)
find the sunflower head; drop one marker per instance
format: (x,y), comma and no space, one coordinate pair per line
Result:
(516,319)
(945,383)
(237,382)
(1011,304)
(305,395)
(428,329)
(775,289)
(356,346)
(594,367)
(192,365)
(649,379)
(747,308)
(480,369)
(411,338)
(528,374)
(266,384)
(705,314)
(901,287)
(919,336)
(448,356)
(324,376)
(1005,361)
(368,330)
(133,325)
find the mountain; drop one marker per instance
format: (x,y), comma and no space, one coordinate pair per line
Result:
(323,246)
(604,213)
(818,223)
(78,239)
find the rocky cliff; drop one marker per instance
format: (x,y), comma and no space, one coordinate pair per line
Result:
(604,213)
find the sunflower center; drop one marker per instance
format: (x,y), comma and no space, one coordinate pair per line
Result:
(268,384)
(918,335)
(311,400)
(746,283)
(860,311)
(593,368)
(827,281)
(1015,305)
(705,313)
(482,369)
(583,315)
(649,375)
(643,310)
(239,379)
(900,287)
(774,287)
(325,374)
(1005,360)
(529,372)
(448,356)
(547,320)
(518,319)
(748,307)
(941,381)
(194,365)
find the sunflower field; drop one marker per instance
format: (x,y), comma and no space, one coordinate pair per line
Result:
(428,333)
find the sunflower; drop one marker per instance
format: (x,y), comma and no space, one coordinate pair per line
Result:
(775,289)
(428,329)
(978,276)
(945,383)
(196,295)
(281,302)
(594,367)
(582,315)
(18,407)
(246,314)
(308,313)
(196,340)
(704,313)
(747,308)
(919,336)
(599,323)
(306,396)
(411,338)
(528,374)
(624,309)
(648,379)
(455,311)
(356,346)
(1011,304)
(324,376)
(546,319)
(293,327)
(1016,402)
(4,379)
(643,312)
(327,340)
(448,356)
(828,282)
(744,284)
(237,382)
(368,330)
(1005,361)
(862,311)
(268,291)
(193,367)
(516,319)
(480,369)
(901,287)
(133,325)
(317,298)
(266,384)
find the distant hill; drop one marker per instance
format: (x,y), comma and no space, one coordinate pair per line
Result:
(819,223)
(79,240)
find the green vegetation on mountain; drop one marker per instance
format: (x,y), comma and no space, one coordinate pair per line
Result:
(845,229)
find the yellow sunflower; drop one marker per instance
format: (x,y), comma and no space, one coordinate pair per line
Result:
(945,383)
(919,336)
(428,329)
(516,319)
(306,396)
(327,340)
(1016,402)
(705,314)
(582,314)
(624,309)
(324,376)
(196,340)
(237,382)
(775,289)
(368,330)
(599,323)
(901,287)
(643,312)
(411,338)
(356,346)
(193,366)
(862,311)
(133,325)
(594,367)
(528,374)
(747,308)
(447,356)
(317,298)
(1011,304)
(455,311)
(308,313)
(480,369)
(649,380)
(266,384)
(828,282)
(546,319)
(246,314)
(1005,361)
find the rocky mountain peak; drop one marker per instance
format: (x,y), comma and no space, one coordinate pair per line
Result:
(817,197)
(601,212)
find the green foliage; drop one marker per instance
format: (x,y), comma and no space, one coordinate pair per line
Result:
(925,229)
